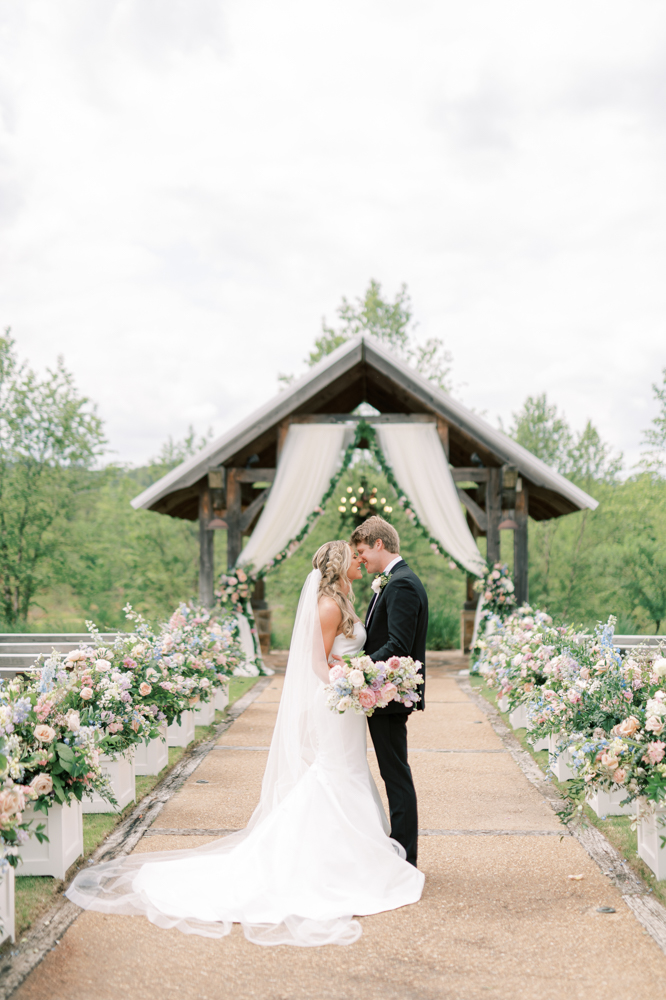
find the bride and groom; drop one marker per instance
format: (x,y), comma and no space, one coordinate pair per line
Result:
(318,849)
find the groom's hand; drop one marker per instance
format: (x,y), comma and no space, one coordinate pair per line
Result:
(335,661)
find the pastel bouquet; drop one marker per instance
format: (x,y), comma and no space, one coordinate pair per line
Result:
(360,685)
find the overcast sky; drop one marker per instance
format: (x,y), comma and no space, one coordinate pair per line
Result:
(189,185)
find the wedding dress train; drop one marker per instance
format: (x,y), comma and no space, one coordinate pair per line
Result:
(316,851)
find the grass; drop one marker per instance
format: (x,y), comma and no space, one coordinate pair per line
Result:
(36,893)
(616,829)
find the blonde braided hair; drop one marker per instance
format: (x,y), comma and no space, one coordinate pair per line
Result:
(332,560)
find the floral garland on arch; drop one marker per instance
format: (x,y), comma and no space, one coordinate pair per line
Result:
(234,590)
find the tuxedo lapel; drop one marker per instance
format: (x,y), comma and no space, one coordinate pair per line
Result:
(370,607)
(379,593)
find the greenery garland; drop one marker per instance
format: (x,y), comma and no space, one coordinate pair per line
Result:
(364,432)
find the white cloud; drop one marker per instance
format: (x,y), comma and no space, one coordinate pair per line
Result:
(189,185)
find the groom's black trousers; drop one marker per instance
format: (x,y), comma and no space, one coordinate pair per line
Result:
(389,736)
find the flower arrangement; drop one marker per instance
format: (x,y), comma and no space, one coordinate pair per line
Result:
(606,709)
(360,685)
(234,591)
(14,797)
(496,588)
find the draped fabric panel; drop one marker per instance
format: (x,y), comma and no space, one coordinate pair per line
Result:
(311,456)
(415,453)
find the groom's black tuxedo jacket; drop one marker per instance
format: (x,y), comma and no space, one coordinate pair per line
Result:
(398,625)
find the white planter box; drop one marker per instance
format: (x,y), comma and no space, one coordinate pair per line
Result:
(539,744)
(518,718)
(150,758)
(608,803)
(7,927)
(181,735)
(63,825)
(222,697)
(650,831)
(204,713)
(122,774)
(503,703)
(559,765)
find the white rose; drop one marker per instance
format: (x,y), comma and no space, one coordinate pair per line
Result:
(73,721)
(659,666)
(344,703)
(102,666)
(376,584)
(655,707)
(42,784)
(356,678)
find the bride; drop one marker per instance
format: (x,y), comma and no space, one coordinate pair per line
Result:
(316,851)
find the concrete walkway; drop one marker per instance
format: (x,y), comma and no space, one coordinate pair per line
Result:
(499,917)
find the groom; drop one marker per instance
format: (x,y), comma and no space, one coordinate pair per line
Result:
(396,625)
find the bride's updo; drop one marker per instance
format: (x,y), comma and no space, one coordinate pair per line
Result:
(333,560)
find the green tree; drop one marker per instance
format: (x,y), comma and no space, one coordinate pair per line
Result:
(653,459)
(391,323)
(50,438)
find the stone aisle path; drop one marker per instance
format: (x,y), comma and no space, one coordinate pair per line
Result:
(499,916)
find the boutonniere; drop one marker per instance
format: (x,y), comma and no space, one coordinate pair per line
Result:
(379,583)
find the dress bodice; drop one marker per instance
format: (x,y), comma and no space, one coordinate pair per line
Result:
(343,646)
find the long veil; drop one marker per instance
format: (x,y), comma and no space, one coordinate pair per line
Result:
(257,871)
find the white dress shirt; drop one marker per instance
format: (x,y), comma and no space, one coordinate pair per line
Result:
(385,572)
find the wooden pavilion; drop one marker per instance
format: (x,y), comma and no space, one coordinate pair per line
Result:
(501,483)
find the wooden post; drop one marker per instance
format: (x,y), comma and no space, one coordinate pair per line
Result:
(494,513)
(206,549)
(520,551)
(233,518)
(443,431)
(283,430)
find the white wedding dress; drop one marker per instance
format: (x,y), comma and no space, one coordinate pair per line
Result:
(316,851)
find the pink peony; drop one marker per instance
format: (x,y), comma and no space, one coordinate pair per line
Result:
(367,698)
(393,663)
(335,673)
(655,752)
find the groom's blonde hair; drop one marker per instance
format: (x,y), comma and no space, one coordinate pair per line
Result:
(376,527)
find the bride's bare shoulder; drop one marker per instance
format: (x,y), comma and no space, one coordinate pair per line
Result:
(329,611)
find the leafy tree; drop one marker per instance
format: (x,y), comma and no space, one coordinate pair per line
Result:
(391,323)
(653,459)
(50,437)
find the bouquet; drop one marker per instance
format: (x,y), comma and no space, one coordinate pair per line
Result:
(360,684)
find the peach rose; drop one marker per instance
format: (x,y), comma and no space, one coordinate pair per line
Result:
(86,693)
(44,734)
(655,725)
(628,726)
(609,761)
(144,689)
(42,784)
(619,774)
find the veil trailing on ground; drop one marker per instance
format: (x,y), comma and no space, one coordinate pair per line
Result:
(267,877)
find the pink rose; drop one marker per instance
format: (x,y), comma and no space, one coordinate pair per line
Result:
(144,689)
(86,693)
(335,673)
(367,698)
(619,775)
(655,725)
(388,692)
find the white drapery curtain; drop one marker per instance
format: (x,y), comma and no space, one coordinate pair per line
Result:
(416,455)
(311,456)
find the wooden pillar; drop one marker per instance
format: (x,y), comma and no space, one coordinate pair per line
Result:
(283,430)
(443,431)
(206,549)
(233,519)
(494,513)
(520,553)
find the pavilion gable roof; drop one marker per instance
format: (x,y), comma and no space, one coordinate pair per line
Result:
(363,369)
